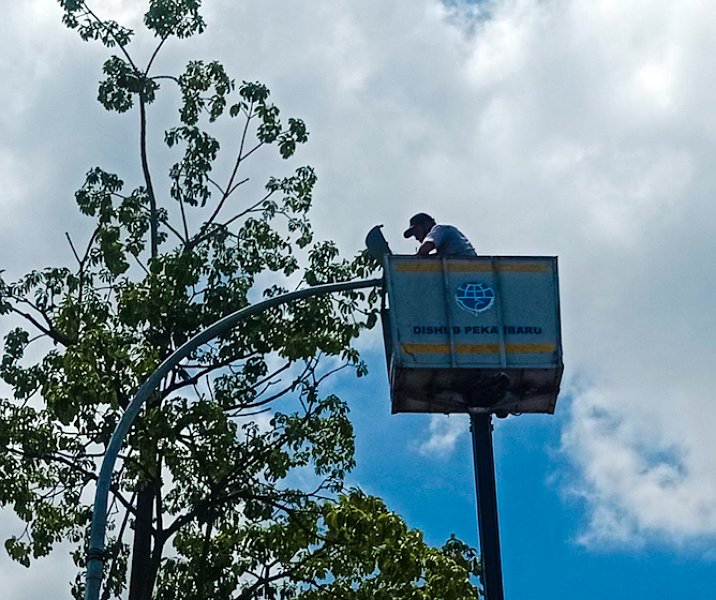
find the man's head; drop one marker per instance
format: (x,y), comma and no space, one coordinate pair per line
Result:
(420,224)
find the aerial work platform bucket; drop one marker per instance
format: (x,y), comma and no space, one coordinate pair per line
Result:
(473,334)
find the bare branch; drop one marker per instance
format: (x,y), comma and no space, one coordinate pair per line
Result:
(154,54)
(69,239)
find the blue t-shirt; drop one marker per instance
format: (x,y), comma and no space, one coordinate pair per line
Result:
(449,241)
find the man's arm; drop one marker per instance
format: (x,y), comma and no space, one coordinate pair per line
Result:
(426,248)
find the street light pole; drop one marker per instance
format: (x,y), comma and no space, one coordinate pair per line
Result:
(481,425)
(95,552)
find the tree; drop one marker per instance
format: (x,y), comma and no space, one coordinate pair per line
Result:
(206,501)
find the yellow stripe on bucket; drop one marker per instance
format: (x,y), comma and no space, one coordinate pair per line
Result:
(476,348)
(426,266)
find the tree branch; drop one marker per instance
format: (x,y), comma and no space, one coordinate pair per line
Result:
(116,41)
(49,331)
(154,55)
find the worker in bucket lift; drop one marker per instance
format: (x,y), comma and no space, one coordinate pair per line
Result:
(444,240)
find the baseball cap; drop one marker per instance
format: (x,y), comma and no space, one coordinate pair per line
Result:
(415,220)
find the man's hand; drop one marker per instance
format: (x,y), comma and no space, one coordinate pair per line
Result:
(426,249)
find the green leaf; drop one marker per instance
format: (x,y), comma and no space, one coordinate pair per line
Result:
(179,18)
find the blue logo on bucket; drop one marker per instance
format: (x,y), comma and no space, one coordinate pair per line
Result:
(475,297)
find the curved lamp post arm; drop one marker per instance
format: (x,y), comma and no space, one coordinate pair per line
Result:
(95,553)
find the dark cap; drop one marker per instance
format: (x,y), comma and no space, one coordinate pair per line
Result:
(415,220)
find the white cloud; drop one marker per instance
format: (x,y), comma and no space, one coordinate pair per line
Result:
(640,480)
(444,434)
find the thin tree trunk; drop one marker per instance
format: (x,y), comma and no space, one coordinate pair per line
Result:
(143,573)
(142,547)
(153,222)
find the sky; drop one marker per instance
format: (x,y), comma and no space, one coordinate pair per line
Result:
(570,128)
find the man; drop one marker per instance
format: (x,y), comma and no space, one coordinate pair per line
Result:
(445,240)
